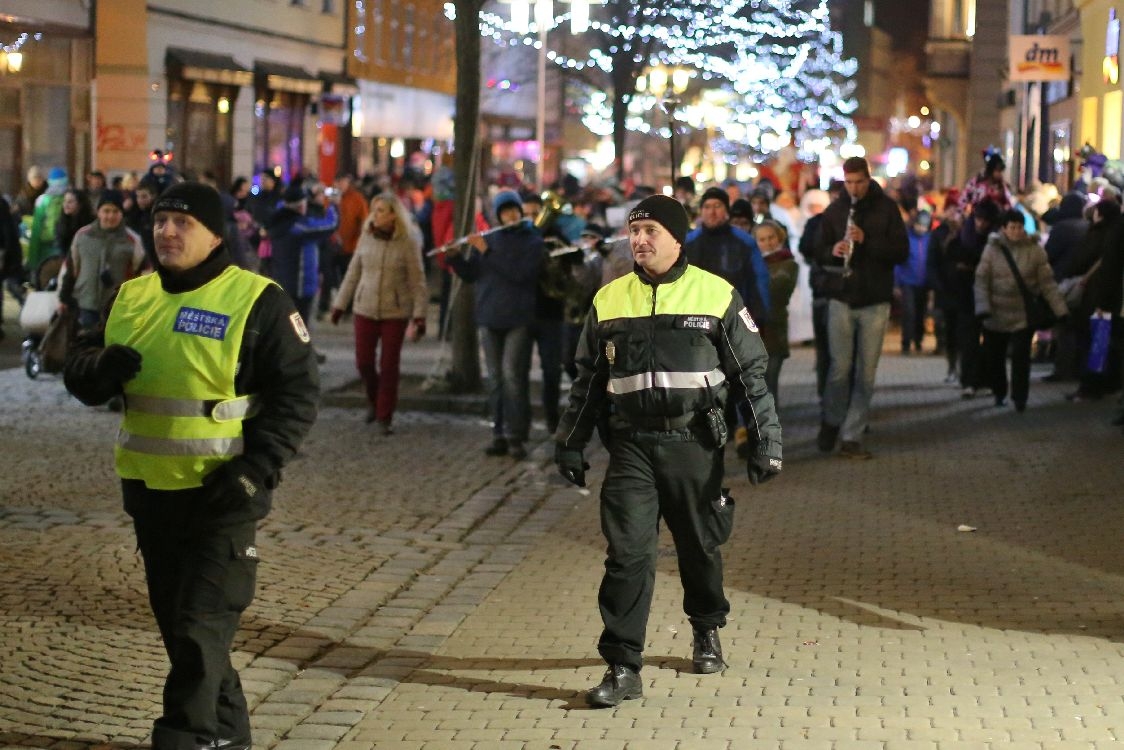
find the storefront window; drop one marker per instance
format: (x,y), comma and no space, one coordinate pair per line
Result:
(44,109)
(200,126)
(278,131)
(46,125)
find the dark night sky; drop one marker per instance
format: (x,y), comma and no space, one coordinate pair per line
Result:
(907,20)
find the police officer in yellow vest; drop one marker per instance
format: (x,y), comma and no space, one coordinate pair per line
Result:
(220,386)
(662,350)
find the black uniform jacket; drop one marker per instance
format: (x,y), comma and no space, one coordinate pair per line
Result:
(669,361)
(274,364)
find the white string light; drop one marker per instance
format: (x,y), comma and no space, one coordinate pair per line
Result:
(789,75)
(361,29)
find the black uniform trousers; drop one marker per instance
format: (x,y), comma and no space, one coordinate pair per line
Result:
(654,475)
(201,571)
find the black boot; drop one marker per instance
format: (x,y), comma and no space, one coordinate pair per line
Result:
(498,447)
(826,437)
(707,652)
(619,684)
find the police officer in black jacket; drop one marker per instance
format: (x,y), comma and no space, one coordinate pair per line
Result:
(220,386)
(664,347)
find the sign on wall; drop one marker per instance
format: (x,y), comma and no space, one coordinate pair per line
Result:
(1039,57)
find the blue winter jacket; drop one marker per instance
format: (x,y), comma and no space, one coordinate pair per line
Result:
(296,255)
(912,272)
(506,276)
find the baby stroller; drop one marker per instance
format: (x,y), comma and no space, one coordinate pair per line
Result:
(39,315)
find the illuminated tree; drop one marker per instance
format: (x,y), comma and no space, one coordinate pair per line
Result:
(778,60)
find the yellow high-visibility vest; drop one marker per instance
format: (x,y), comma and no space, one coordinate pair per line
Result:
(182,417)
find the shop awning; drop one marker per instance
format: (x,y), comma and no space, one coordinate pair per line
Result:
(206,66)
(279,77)
(340,84)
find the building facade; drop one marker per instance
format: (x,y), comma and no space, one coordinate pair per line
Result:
(46,81)
(295,87)
(966,55)
(1100,94)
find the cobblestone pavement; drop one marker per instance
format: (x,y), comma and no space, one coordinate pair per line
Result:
(415,595)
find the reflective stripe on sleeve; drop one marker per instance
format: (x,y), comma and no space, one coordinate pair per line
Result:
(647,380)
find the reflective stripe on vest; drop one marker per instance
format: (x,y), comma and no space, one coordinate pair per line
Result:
(183,418)
(242,407)
(644,380)
(179,446)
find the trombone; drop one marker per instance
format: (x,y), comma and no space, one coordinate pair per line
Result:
(552,204)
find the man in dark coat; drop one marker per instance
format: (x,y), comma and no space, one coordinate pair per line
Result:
(862,238)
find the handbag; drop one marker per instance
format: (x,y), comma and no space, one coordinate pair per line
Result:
(37,311)
(1072,288)
(1039,314)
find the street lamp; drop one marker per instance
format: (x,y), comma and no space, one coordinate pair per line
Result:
(667,85)
(544,21)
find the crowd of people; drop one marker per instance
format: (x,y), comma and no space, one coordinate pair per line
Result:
(190,303)
(934,271)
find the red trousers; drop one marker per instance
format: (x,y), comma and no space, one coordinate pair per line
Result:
(381,383)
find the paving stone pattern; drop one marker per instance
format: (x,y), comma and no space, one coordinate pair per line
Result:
(414,594)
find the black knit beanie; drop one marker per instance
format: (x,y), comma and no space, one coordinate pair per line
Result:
(668,212)
(716,193)
(202,202)
(112,198)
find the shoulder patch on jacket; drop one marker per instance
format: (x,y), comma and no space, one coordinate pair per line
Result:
(300,328)
(748,320)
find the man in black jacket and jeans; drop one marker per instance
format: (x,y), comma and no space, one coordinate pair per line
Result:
(220,387)
(862,238)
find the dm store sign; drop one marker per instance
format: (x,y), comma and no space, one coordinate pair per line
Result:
(1039,57)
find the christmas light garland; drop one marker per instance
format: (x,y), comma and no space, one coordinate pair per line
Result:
(778,68)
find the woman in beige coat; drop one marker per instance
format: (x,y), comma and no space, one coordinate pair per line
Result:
(385,287)
(1002,310)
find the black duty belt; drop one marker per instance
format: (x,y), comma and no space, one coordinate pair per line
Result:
(664,424)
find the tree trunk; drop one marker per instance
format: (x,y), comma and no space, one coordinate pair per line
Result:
(464,369)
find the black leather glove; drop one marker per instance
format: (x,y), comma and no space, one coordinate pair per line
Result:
(232,487)
(117,363)
(571,464)
(762,468)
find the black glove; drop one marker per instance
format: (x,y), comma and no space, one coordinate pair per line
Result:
(762,468)
(117,363)
(232,487)
(981,317)
(571,464)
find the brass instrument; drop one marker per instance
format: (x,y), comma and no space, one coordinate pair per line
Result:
(552,205)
